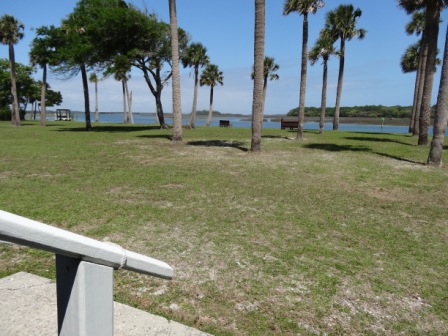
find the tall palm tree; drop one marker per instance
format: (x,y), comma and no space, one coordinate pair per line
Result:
(303,7)
(257,98)
(410,62)
(441,116)
(432,9)
(211,76)
(196,57)
(323,48)
(43,53)
(93,78)
(341,23)
(121,68)
(269,74)
(11,32)
(416,26)
(177,114)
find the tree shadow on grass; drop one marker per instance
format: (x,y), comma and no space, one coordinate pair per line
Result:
(111,129)
(342,148)
(372,139)
(338,148)
(401,159)
(156,136)
(218,143)
(276,137)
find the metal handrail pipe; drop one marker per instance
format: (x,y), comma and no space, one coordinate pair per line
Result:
(24,231)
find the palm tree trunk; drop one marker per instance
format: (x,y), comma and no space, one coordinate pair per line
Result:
(15,116)
(339,88)
(441,116)
(429,45)
(177,116)
(195,98)
(43,109)
(265,89)
(301,116)
(129,97)
(210,109)
(85,86)
(257,100)
(421,83)
(323,104)
(125,110)
(416,95)
(97,119)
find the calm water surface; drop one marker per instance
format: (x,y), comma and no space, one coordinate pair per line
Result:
(243,123)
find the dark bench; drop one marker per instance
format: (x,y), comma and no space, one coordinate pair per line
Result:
(288,123)
(224,123)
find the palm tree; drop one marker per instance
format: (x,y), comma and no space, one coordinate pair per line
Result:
(323,48)
(441,116)
(270,67)
(303,7)
(177,116)
(121,68)
(11,32)
(341,23)
(43,53)
(258,97)
(410,62)
(93,78)
(211,76)
(196,57)
(428,49)
(416,26)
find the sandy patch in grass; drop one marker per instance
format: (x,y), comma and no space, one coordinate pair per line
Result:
(382,310)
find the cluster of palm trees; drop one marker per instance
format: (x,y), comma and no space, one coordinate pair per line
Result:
(426,21)
(195,56)
(11,32)
(340,25)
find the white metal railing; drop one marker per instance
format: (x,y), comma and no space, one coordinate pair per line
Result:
(84,272)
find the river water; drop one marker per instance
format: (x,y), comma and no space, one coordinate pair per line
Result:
(141,118)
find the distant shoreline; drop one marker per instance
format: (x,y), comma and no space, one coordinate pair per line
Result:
(277,118)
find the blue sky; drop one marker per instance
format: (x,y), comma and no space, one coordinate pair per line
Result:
(372,71)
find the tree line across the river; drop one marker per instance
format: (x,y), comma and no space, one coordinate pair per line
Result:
(367,111)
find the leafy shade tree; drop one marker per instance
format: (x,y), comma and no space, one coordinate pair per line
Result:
(257,99)
(152,54)
(323,48)
(341,24)
(428,49)
(177,114)
(441,115)
(95,32)
(28,90)
(93,78)
(11,32)
(34,97)
(195,56)
(270,67)
(211,76)
(43,53)
(303,7)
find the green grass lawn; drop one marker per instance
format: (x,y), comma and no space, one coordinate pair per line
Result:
(343,233)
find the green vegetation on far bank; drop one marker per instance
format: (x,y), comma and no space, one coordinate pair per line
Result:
(341,234)
(371,111)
